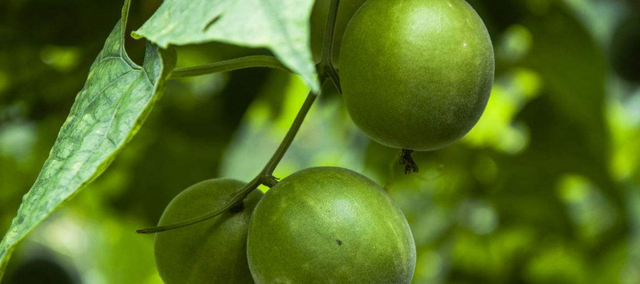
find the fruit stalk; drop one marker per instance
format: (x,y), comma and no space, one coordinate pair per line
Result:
(325,67)
(327,48)
(288,139)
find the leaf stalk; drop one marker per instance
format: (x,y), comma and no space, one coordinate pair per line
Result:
(252,61)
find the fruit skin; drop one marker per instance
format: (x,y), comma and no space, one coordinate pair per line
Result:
(416,74)
(213,251)
(329,225)
(319,17)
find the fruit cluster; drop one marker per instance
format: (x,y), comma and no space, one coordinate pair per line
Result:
(416,75)
(320,225)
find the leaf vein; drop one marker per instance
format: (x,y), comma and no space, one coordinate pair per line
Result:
(104,90)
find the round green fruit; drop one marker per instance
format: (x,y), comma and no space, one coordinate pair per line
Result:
(319,17)
(329,225)
(213,251)
(416,74)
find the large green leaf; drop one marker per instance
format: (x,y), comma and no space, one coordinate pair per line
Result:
(280,25)
(108,111)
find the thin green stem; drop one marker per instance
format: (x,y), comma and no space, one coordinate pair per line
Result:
(327,47)
(265,177)
(238,197)
(325,68)
(251,61)
(291,134)
(333,74)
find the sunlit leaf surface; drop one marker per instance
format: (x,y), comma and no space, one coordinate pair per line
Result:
(282,26)
(107,112)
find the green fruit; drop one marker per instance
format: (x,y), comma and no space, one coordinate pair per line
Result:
(213,251)
(329,225)
(416,74)
(319,17)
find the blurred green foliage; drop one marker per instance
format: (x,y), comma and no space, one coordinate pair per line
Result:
(545,189)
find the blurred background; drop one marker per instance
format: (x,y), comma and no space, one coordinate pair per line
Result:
(545,189)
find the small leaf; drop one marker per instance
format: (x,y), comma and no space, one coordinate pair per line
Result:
(282,26)
(108,111)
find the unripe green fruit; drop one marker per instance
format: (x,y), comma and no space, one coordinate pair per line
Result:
(329,225)
(416,74)
(319,17)
(213,251)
